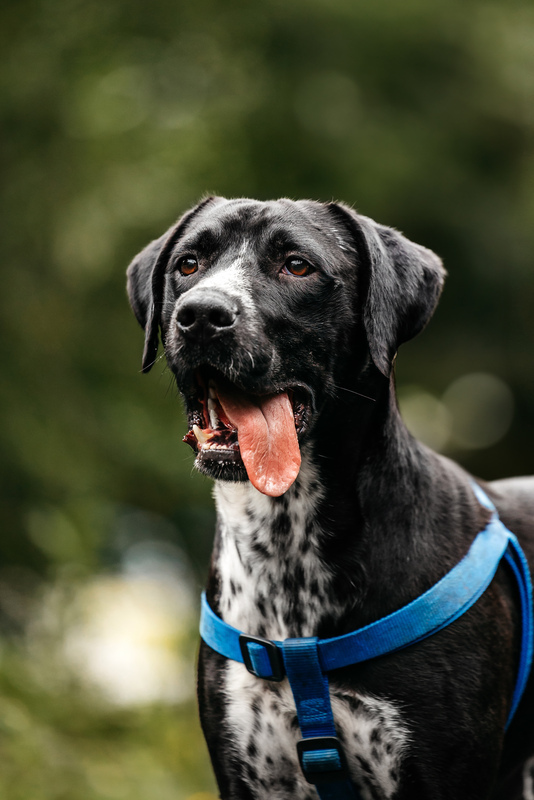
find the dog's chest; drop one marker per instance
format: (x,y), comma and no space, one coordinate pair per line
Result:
(274,584)
(263,733)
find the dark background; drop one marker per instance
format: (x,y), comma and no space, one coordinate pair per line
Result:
(117,116)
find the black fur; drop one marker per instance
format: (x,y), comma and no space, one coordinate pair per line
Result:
(393,516)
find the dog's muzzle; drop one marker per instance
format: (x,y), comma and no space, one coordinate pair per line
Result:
(242,422)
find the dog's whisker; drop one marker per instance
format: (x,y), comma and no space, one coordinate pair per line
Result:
(352,391)
(153,363)
(170,386)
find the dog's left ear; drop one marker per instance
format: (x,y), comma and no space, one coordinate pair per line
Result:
(400,281)
(146,282)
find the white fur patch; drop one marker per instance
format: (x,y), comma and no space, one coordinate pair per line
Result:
(528,779)
(232,280)
(373,735)
(253,566)
(264,543)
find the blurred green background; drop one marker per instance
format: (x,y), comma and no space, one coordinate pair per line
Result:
(116,116)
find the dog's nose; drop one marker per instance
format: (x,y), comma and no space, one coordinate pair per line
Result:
(206,315)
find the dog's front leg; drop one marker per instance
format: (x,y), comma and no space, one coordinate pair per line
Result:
(229,771)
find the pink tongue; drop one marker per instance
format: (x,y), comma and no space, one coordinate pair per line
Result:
(267,438)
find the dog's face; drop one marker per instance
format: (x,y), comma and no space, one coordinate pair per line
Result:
(264,308)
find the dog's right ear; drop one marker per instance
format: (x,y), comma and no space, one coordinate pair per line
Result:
(146,282)
(138,278)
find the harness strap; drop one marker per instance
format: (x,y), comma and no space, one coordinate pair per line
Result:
(438,607)
(517,561)
(444,602)
(515,558)
(320,754)
(306,660)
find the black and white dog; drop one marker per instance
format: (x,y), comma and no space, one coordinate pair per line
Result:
(281,321)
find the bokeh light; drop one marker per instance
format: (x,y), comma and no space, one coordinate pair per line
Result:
(426,417)
(474,412)
(481,408)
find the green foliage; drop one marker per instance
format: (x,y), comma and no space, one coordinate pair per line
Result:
(68,745)
(118,116)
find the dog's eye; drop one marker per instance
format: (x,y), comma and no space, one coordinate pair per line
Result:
(187,265)
(297,266)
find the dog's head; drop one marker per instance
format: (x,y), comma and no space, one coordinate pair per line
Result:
(264,308)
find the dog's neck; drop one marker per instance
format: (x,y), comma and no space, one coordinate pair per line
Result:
(300,564)
(267,556)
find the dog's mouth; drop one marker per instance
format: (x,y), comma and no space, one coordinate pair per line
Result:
(239,435)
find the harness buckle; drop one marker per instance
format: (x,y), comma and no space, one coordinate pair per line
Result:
(322,759)
(263,659)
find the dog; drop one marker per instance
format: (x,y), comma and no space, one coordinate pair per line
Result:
(281,322)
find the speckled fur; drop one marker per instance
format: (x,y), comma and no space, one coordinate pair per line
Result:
(267,546)
(264,731)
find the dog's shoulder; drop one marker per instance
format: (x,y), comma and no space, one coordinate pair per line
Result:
(514,500)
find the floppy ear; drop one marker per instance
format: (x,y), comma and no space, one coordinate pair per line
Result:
(146,282)
(138,279)
(401,284)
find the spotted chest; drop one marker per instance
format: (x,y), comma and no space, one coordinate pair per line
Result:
(273,583)
(263,732)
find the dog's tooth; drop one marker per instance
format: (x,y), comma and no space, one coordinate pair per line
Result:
(199,433)
(214,419)
(211,391)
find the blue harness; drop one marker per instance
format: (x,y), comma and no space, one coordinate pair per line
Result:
(305,661)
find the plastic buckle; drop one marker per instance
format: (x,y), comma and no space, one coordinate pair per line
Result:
(319,775)
(274,656)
